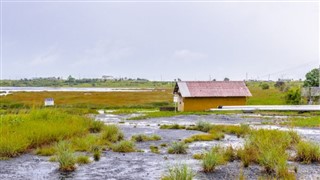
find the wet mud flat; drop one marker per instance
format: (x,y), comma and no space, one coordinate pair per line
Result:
(147,165)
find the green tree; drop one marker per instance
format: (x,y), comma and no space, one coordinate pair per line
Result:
(312,78)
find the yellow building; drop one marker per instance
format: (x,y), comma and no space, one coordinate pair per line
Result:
(204,95)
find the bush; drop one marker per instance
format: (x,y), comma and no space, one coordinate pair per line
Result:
(182,172)
(96,153)
(124,146)
(65,157)
(264,86)
(178,148)
(293,96)
(308,152)
(112,133)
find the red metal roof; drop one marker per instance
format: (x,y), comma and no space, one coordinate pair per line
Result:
(213,89)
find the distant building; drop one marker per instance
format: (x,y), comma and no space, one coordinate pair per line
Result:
(285,80)
(204,95)
(49,102)
(107,77)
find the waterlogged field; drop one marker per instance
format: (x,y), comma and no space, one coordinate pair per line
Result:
(132,139)
(113,146)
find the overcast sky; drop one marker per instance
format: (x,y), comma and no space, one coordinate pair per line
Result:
(154,40)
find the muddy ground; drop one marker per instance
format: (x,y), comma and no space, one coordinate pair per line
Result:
(147,165)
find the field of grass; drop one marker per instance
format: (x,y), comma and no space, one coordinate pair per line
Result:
(90,99)
(271,96)
(304,122)
(20,132)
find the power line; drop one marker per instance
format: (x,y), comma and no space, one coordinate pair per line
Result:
(289,69)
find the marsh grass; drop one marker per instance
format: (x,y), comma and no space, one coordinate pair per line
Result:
(38,127)
(240,131)
(172,126)
(212,159)
(229,154)
(303,122)
(308,152)
(93,100)
(154,149)
(124,146)
(177,148)
(65,157)
(143,138)
(198,156)
(46,151)
(268,148)
(204,137)
(85,143)
(96,150)
(83,160)
(179,172)
(112,133)
(96,126)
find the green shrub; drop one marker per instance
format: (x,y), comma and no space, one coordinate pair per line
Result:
(293,96)
(178,148)
(65,157)
(124,146)
(112,133)
(83,160)
(308,152)
(179,172)
(264,86)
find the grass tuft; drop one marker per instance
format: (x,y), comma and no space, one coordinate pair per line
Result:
(143,138)
(124,146)
(154,149)
(211,159)
(112,133)
(96,126)
(46,151)
(179,172)
(308,152)
(83,160)
(65,157)
(178,148)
